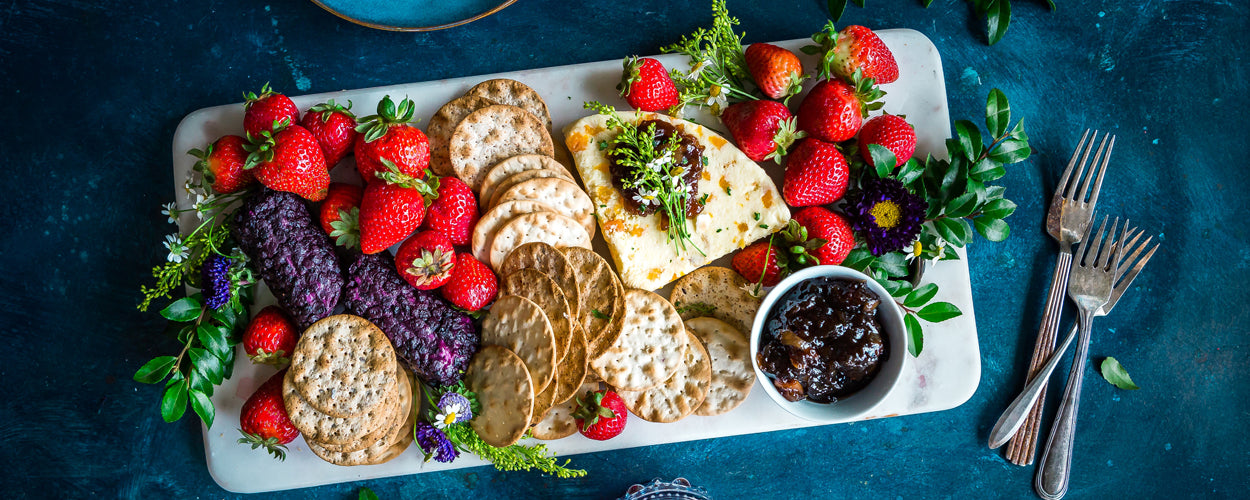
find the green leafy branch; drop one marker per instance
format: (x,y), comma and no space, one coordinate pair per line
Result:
(718,70)
(997,14)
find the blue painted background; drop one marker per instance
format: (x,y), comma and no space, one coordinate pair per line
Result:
(94,90)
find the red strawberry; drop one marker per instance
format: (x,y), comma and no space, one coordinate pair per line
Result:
(262,112)
(890,131)
(387,135)
(762,129)
(645,84)
(472,286)
(834,110)
(600,415)
(391,209)
(334,126)
(270,337)
(776,71)
(340,214)
(854,49)
(223,164)
(760,262)
(264,421)
(832,229)
(289,159)
(426,260)
(454,212)
(816,174)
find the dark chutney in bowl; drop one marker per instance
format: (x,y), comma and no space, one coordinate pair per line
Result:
(822,340)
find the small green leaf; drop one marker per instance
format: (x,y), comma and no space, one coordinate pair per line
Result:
(155,370)
(367,494)
(996,192)
(883,159)
(836,7)
(599,314)
(938,312)
(992,229)
(213,338)
(915,335)
(988,169)
(998,17)
(909,172)
(207,364)
(893,264)
(182,310)
(901,288)
(997,113)
(952,230)
(226,316)
(203,407)
(858,259)
(174,402)
(962,206)
(999,208)
(1018,131)
(1011,151)
(969,139)
(199,383)
(1113,372)
(921,295)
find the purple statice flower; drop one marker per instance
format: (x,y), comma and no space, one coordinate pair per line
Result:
(886,215)
(215,281)
(434,443)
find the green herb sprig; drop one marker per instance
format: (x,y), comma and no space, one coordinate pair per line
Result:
(718,70)
(997,14)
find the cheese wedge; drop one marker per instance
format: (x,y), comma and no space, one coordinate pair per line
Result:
(743,204)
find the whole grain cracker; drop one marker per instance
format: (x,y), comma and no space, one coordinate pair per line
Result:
(572,369)
(543,401)
(388,428)
(492,134)
(562,194)
(544,291)
(518,324)
(677,397)
(512,92)
(380,451)
(732,372)
(516,165)
(551,228)
(317,426)
(558,422)
(443,124)
(548,260)
(343,365)
(719,292)
(602,296)
(496,217)
(651,347)
(505,393)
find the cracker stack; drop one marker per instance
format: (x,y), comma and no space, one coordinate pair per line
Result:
(347,395)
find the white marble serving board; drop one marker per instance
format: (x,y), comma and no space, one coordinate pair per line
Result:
(944,376)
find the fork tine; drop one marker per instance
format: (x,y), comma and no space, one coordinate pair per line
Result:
(1067,172)
(1126,280)
(1108,247)
(1090,251)
(1137,250)
(1093,197)
(1080,169)
(1083,192)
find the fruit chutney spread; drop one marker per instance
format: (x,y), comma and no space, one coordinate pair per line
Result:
(822,340)
(686,161)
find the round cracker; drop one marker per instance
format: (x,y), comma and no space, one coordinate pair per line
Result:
(496,217)
(572,369)
(680,394)
(507,91)
(343,365)
(651,347)
(505,393)
(549,227)
(518,324)
(320,427)
(602,298)
(543,401)
(719,292)
(516,165)
(558,422)
(518,178)
(383,450)
(387,429)
(443,124)
(492,134)
(544,291)
(732,372)
(562,194)
(548,260)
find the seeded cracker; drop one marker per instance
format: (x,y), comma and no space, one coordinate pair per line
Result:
(492,134)
(495,218)
(679,395)
(320,427)
(602,297)
(732,372)
(551,228)
(389,445)
(504,390)
(516,165)
(651,347)
(443,124)
(343,365)
(512,92)
(520,325)
(561,194)
(548,260)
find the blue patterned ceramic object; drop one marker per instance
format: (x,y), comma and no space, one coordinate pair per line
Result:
(412,15)
(678,489)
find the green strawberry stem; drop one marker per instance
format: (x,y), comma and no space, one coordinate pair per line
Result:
(375,126)
(426,185)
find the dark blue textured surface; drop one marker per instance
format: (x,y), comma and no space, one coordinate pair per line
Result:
(94,90)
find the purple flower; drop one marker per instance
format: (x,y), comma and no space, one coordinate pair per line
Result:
(216,281)
(886,215)
(453,408)
(434,443)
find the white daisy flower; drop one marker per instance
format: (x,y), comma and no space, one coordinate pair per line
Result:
(169,211)
(448,415)
(694,73)
(177,251)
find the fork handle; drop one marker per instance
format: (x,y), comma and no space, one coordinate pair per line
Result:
(1055,467)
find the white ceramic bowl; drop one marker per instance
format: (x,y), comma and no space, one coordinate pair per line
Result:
(861,403)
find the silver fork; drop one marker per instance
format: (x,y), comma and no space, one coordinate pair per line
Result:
(1127,271)
(1067,219)
(1092,279)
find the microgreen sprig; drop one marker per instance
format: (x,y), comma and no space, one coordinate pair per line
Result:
(718,69)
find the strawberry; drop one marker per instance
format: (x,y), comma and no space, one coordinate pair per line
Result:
(762,129)
(222,164)
(834,110)
(760,262)
(454,212)
(388,136)
(391,208)
(776,71)
(261,113)
(854,49)
(270,337)
(334,126)
(645,84)
(830,230)
(340,214)
(892,132)
(816,174)
(472,286)
(289,159)
(264,421)
(426,260)
(600,415)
